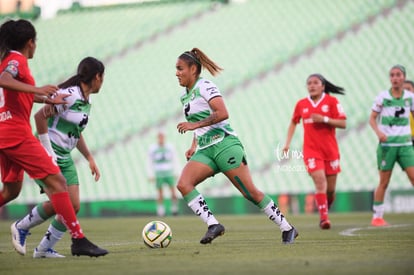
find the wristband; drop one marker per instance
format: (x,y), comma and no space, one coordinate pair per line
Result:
(325,119)
(45,141)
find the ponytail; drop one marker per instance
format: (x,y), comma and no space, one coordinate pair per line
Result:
(329,87)
(201,60)
(88,68)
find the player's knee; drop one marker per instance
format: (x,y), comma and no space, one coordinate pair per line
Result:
(10,194)
(184,187)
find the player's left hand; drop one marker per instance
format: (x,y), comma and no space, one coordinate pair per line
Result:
(317,118)
(58,98)
(185,126)
(94,169)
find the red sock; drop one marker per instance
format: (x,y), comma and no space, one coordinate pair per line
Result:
(63,207)
(2,202)
(322,204)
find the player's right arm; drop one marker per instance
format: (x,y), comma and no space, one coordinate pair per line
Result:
(43,132)
(290,132)
(8,82)
(374,125)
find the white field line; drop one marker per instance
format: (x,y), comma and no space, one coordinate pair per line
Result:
(351,232)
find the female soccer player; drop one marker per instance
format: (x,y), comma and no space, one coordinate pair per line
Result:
(162,169)
(20,151)
(60,131)
(215,147)
(390,121)
(321,114)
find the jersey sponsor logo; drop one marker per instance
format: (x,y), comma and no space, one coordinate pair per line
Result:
(231,160)
(308,120)
(213,90)
(5,116)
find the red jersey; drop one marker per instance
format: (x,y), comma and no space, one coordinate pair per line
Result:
(319,138)
(15,107)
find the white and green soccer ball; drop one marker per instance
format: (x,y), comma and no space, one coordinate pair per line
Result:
(157,234)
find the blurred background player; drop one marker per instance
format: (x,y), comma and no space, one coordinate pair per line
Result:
(409,86)
(163,170)
(390,121)
(321,114)
(60,128)
(215,147)
(20,151)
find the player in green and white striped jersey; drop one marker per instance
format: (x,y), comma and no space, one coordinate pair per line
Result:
(60,131)
(163,169)
(215,148)
(390,119)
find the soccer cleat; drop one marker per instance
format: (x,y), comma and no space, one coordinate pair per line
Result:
(49,253)
(213,232)
(19,238)
(378,222)
(86,248)
(288,237)
(325,224)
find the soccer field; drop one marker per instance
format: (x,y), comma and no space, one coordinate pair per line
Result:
(251,244)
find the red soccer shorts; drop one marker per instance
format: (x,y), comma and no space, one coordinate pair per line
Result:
(28,156)
(331,167)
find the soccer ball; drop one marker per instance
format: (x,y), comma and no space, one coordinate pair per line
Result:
(157,234)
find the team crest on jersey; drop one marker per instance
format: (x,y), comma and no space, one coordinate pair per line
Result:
(334,164)
(192,96)
(325,108)
(407,103)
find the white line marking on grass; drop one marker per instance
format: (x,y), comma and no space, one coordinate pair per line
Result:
(351,231)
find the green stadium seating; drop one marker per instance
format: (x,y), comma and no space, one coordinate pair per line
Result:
(267,48)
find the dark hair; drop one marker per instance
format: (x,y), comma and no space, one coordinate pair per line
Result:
(329,87)
(14,35)
(88,68)
(399,67)
(200,59)
(409,82)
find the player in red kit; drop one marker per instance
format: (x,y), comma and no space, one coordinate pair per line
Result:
(20,151)
(321,114)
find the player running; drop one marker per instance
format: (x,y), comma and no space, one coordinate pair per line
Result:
(390,121)
(321,114)
(20,151)
(60,128)
(215,147)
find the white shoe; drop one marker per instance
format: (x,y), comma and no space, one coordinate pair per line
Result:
(49,253)
(19,238)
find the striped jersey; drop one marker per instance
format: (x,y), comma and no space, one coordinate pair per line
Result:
(394,117)
(162,161)
(196,108)
(66,126)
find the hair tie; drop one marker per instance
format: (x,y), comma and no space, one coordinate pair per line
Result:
(191,55)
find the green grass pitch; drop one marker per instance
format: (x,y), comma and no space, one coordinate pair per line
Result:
(251,245)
